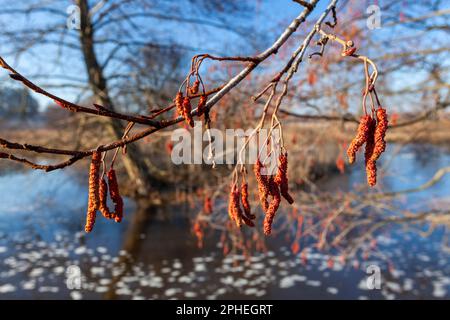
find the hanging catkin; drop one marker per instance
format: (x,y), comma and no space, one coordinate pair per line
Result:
(281,178)
(201,105)
(371,167)
(115,195)
(103,205)
(195,86)
(179,103)
(360,139)
(187,112)
(371,171)
(93,200)
(245,202)
(273,206)
(263,187)
(380,132)
(234,209)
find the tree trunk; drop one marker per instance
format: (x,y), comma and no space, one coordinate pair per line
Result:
(133,162)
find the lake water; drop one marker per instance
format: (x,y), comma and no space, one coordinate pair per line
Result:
(44,254)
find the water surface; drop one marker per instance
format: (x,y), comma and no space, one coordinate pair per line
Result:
(41,242)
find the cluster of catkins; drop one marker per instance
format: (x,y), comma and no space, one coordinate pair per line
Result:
(98,194)
(371,131)
(270,190)
(184,108)
(238,196)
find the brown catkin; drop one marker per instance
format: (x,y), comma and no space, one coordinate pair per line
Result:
(179,104)
(245,202)
(360,139)
(281,178)
(247,221)
(371,171)
(263,186)
(273,206)
(234,209)
(115,195)
(201,105)
(380,132)
(103,205)
(93,200)
(371,167)
(370,143)
(195,86)
(187,112)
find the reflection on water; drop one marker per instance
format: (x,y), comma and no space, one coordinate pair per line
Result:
(154,255)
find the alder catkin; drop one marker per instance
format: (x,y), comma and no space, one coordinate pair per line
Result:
(360,138)
(187,112)
(370,143)
(93,198)
(371,171)
(201,105)
(371,167)
(273,206)
(247,221)
(263,186)
(115,195)
(281,178)
(179,104)
(245,202)
(195,86)
(234,209)
(380,132)
(103,194)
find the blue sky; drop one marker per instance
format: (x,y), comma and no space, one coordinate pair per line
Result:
(271,15)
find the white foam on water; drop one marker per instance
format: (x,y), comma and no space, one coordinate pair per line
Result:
(102,250)
(76,295)
(7,288)
(313,283)
(29,285)
(228,280)
(80,250)
(184,279)
(332,290)
(408,284)
(171,291)
(101,289)
(36,272)
(393,286)
(257,266)
(125,291)
(98,271)
(190,294)
(165,270)
(240,282)
(48,289)
(439,290)
(200,267)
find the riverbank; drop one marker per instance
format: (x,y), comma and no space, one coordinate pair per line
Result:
(317,148)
